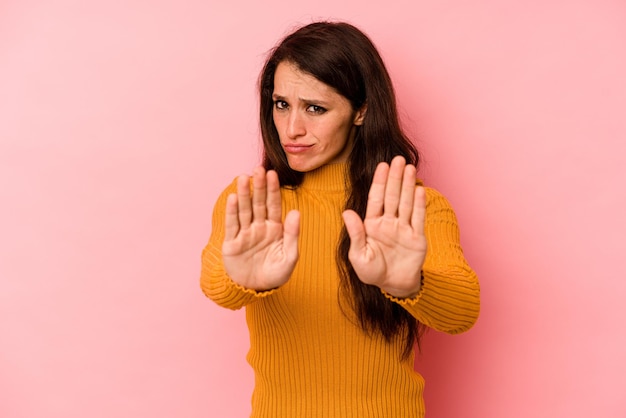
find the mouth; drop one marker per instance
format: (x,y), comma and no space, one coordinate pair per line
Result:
(296,148)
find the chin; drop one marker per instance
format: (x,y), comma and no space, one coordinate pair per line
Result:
(304,167)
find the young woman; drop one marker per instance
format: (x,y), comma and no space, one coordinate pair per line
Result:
(338,253)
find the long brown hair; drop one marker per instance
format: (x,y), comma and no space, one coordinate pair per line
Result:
(341,56)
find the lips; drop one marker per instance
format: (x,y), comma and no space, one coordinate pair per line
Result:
(296,148)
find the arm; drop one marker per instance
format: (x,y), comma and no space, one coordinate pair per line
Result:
(408,246)
(214,281)
(449,299)
(251,251)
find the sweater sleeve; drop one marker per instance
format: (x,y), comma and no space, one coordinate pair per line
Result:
(214,281)
(449,300)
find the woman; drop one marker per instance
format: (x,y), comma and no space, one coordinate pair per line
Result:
(335,249)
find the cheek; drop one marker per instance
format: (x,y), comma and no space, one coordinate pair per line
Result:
(277,123)
(337,135)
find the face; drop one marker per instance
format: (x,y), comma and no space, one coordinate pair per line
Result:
(315,124)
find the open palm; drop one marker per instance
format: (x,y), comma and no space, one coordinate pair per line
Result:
(259,251)
(388,247)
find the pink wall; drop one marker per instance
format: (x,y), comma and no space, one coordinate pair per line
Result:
(120,122)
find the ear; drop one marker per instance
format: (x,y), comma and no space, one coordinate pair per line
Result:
(359,116)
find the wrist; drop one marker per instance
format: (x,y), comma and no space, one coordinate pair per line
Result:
(406,293)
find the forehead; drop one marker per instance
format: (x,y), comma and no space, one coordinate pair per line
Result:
(288,78)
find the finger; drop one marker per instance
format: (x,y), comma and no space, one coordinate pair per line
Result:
(375,198)
(405,208)
(291,231)
(231,225)
(356,230)
(394,186)
(243,200)
(259,193)
(419,210)
(274,208)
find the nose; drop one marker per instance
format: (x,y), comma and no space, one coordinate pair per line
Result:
(295,125)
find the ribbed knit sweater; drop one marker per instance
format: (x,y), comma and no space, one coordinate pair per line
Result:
(309,356)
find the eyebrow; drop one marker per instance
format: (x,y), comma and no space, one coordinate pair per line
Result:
(315,102)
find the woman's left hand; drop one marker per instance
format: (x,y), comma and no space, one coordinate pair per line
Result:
(388,247)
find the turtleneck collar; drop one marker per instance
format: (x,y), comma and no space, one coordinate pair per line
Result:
(329,177)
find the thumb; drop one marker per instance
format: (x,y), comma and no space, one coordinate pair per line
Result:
(291,231)
(355,229)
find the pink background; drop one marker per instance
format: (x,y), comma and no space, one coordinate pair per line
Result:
(121,121)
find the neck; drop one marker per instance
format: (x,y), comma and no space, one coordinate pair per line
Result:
(329,177)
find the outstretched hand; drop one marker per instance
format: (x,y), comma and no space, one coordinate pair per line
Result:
(259,252)
(388,247)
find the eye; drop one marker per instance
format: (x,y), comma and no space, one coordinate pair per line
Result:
(318,110)
(280,104)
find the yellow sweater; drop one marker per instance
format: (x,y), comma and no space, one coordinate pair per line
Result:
(309,356)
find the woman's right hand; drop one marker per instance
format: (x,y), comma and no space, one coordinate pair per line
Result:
(259,252)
